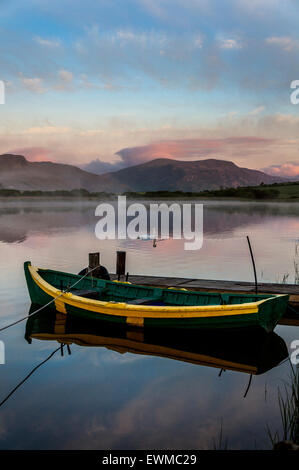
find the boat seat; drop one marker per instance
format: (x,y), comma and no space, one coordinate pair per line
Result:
(89,294)
(144,301)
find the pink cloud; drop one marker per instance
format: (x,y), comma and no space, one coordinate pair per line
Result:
(288,170)
(191,149)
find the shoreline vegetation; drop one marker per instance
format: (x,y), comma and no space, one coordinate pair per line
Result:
(277,191)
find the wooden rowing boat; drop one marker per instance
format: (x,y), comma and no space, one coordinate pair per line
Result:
(237,351)
(140,306)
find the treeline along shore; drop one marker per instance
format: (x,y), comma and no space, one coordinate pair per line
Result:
(277,191)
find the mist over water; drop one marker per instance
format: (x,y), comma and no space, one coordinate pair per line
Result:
(99,398)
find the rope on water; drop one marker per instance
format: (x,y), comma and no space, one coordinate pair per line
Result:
(51,301)
(30,373)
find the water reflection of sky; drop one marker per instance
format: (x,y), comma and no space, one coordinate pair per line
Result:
(97,398)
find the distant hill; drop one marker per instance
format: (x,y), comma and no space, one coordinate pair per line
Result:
(18,173)
(176,175)
(161,174)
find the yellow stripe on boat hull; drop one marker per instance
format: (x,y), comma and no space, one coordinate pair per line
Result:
(136,313)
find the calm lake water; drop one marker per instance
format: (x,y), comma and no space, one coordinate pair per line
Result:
(98,398)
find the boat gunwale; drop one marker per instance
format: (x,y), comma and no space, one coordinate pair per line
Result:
(145,311)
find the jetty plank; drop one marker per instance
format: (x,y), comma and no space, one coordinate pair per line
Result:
(217,285)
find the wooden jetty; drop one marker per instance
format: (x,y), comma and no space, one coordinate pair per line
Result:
(204,285)
(210,285)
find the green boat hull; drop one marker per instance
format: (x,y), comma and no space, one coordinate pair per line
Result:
(269,309)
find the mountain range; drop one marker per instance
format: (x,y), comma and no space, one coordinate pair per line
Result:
(16,172)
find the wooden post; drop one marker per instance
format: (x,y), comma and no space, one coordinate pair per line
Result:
(94,261)
(120,263)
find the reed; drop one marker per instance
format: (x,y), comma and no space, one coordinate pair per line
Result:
(220,443)
(288,402)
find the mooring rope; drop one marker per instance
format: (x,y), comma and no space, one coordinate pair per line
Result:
(30,373)
(51,301)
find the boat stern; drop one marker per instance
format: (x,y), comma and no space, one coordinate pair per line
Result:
(271,310)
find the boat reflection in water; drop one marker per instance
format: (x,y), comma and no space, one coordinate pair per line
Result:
(252,352)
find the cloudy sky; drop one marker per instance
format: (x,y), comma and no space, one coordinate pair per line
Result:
(111,83)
